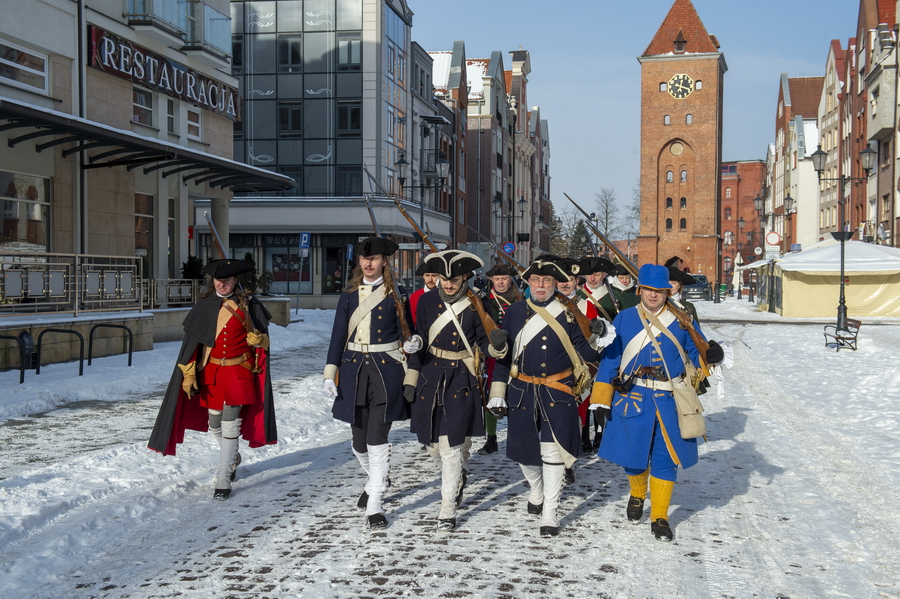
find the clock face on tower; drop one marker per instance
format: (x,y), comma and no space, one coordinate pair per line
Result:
(680,86)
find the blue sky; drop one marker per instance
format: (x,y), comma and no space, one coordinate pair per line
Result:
(586,77)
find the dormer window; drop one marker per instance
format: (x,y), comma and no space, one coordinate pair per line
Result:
(679,42)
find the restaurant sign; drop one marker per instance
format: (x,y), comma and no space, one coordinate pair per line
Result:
(120,57)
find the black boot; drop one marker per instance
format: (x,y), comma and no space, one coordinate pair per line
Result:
(221,494)
(661,530)
(635,509)
(377,521)
(549,531)
(447,524)
(363,501)
(569,476)
(490,446)
(535,509)
(586,436)
(462,485)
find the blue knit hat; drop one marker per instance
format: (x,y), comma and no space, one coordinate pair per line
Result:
(654,276)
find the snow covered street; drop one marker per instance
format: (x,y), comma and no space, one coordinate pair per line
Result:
(792,496)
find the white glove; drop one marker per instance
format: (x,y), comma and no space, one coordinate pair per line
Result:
(597,406)
(329,388)
(412,345)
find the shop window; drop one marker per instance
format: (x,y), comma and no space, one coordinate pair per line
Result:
(26,210)
(143,232)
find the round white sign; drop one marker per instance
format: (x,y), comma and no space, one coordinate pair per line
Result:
(773,238)
(757,250)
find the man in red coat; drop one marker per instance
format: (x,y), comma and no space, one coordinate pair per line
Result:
(221,382)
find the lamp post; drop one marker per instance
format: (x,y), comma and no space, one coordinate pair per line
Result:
(867,159)
(740,262)
(789,210)
(442,167)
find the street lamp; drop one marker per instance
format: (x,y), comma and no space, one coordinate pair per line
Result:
(867,159)
(442,167)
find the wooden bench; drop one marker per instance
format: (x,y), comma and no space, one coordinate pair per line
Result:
(842,338)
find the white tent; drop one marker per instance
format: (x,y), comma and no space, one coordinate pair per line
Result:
(810,280)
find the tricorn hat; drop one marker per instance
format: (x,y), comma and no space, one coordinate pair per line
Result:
(453,263)
(222,269)
(547,265)
(594,264)
(621,270)
(501,268)
(672,261)
(676,274)
(426,269)
(654,276)
(572,266)
(372,246)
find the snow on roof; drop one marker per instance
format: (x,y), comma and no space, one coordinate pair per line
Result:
(860,257)
(440,70)
(476,68)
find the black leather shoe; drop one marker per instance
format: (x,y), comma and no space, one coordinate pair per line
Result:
(447,524)
(635,509)
(490,446)
(363,501)
(535,509)
(549,531)
(569,476)
(661,530)
(221,494)
(377,521)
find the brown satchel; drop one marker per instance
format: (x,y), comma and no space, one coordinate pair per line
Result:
(691,423)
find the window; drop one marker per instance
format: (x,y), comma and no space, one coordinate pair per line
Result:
(684,203)
(683,176)
(698,85)
(349,119)
(689,119)
(143,231)
(728,213)
(237,54)
(349,180)
(171,121)
(23,68)
(193,123)
(349,53)
(727,192)
(728,237)
(172,234)
(683,224)
(143,107)
(668,224)
(727,262)
(668,203)
(26,210)
(290,120)
(669,176)
(667,120)
(290,53)
(663,86)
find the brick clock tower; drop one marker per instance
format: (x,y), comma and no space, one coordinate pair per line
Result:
(682,74)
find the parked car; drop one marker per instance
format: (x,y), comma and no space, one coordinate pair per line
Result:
(699,290)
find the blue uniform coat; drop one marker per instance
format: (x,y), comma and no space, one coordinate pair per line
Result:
(448,399)
(629,430)
(384,328)
(528,403)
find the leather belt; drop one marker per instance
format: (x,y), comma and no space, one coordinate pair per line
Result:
(448,355)
(242,360)
(551,381)
(651,372)
(373,348)
(652,384)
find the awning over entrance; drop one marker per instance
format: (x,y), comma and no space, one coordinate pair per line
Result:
(110,147)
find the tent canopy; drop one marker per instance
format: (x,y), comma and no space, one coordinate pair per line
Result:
(859,258)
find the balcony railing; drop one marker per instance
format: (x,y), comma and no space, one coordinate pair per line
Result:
(168,15)
(33,283)
(208,29)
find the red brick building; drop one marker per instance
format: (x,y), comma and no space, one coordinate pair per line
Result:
(742,182)
(682,74)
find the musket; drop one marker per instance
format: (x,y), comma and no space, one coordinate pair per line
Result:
(242,299)
(584,323)
(617,305)
(486,321)
(684,319)
(395,288)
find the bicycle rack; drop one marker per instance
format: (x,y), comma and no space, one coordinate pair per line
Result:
(37,370)
(110,326)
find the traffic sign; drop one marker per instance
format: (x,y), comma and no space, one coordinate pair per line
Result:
(304,240)
(509,247)
(758,251)
(773,238)
(349,251)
